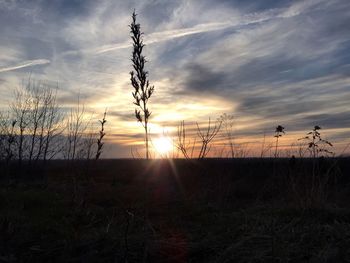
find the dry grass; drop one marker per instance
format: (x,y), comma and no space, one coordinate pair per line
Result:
(210,210)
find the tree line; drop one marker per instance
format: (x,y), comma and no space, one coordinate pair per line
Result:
(35,128)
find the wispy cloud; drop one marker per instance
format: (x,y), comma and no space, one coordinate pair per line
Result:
(166,35)
(155,38)
(24,64)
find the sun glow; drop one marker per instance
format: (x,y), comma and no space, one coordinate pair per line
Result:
(162,145)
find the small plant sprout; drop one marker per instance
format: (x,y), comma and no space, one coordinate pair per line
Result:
(316,144)
(102,134)
(278,133)
(138,76)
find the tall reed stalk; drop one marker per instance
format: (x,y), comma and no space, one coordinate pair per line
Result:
(139,80)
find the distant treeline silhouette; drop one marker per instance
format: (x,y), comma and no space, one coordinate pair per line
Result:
(35,127)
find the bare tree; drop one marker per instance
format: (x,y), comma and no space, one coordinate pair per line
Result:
(3,135)
(47,99)
(34,123)
(86,148)
(75,128)
(21,109)
(78,134)
(7,138)
(50,125)
(142,89)
(206,137)
(53,128)
(39,121)
(10,142)
(37,93)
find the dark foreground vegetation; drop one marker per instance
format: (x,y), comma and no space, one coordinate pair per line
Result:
(213,210)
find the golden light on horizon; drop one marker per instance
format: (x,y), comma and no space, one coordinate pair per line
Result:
(162,145)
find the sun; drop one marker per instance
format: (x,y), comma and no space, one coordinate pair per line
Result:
(162,145)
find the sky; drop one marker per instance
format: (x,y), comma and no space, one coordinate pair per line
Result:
(264,62)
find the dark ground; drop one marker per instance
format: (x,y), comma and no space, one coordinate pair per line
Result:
(215,210)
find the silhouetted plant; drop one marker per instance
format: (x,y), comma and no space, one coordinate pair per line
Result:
(316,144)
(143,90)
(182,143)
(242,150)
(206,137)
(265,147)
(228,123)
(278,133)
(316,193)
(102,134)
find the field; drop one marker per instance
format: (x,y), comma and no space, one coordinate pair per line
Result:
(213,210)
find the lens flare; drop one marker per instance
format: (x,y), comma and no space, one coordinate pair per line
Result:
(162,145)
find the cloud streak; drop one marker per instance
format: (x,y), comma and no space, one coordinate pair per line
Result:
(25,64)
(167,35)
(157,37)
